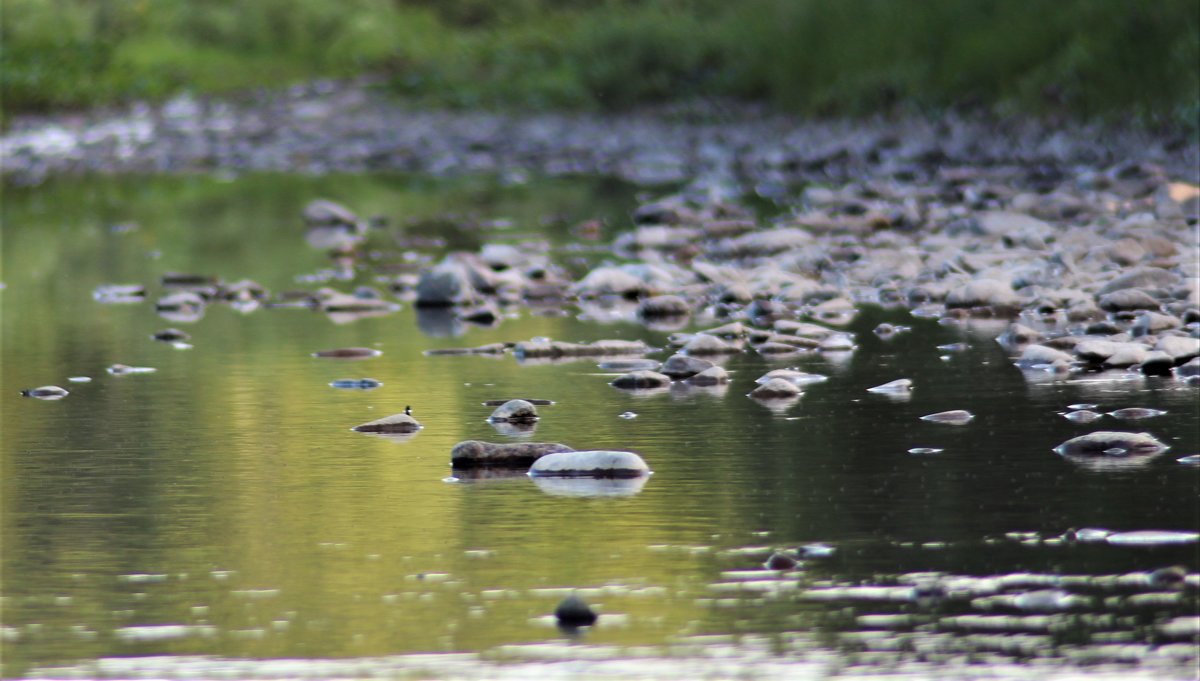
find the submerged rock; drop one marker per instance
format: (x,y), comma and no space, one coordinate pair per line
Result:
(630,365)
(348,353)
(572,611)
(475,453)
(125,369)
(641,379)
(776,388)
(713,375)
(593,463)
(1110,443)
(682,366)
(489,349)
(781,561)
(663,306)
(46,392)
(514,411)
(396,423)
(1083,416)
(356,383)
(794,376)
(1135,413)
(171,335)
(954,417)
(555,349)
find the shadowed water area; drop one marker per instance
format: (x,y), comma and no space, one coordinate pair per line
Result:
(219,517)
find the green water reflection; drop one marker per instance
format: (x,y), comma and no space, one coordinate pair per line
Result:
(225,492)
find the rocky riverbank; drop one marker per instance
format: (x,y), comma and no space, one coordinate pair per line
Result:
(350,127)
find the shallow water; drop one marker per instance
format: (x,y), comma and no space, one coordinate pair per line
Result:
(220,510)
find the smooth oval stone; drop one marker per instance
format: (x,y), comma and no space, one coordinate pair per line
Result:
(171,335)
(798,378)
(704,344)
(837,342)
(572,611)
(489,349)
(713,375)
(123,369)
(781,561)
(474,453)
(1089,535)
(396,423)
(514,410)
(1082,416)
(630,365)
(356,383)
(1083,405)
(919,451)
(348,353)
(682,366)
(46,392)
(773,348)
(663,306)
(955,417)
(593,463)
(1098,443)
(80,379)
(1036,355)
(900,385)
(641,379)
(775,388)
(1135,413)
(1152,538)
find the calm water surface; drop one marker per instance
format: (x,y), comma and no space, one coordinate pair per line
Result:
(221,508)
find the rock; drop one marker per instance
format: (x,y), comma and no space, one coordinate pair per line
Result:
(1019,335)
(704,344)
(348,353)
(1152,538)
(489,349)
(663,306)
(485,315)
(838,342)
(773,348)
(1127,355)
(1126,251)
(188,280)
(445,285)
(713,375)
(396,423)
(537,402)
(514,411)
(594,464)
(125,369)
(776,388)
(1096,351)
(553,349)
(955,417)
(679,367)
(1153,322)
(1135,413)
(356,383)
(990,293)
(170,335)
(1082,416)
(1034,356)
(325,213)
(610,281)
(627,365)
(1142,277)
(1157,363)
(474,453)
(781,561)
(1180,348)
(46,392)
(636,380)
(572,611)
(1108,443)
(1189,372)
(1128,299)
(798,378)
(898,386)
(180,301)
(119,293)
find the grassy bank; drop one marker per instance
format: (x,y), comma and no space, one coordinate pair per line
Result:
(1084,57)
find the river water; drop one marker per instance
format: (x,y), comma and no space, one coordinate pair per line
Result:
(218,518)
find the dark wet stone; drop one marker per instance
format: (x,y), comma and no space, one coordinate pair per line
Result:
(356,383)
(955,417)
(781,561)
(774,348)
(1135,413)
(1157,363)
(1128,299)
(636,380)
(489,349)
(170,335)
(776,388)
(679,367)
(630,365)
(348,353)
(183,279)
(711,376)
(46,392)
(1100,442)
(1019,335)
(485,315)
(572,611)
(663,306)
(531,400)
(474,453)
(514,411)
(396,423)
(590,464)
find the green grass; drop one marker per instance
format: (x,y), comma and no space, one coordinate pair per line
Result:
(1087,58)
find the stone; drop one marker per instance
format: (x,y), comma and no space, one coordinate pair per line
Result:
(590,463)
(776,388)
(446,284)
(1108,443)
(1157,363)
(711,376)
(610,281)
(396,423)
(991,293)
(663,306)
(514,411)
(1180,348)
(171,335)
(1128,299)
(1037,355)
(799,378)
(325,213)
(704,344)
(954,417)
(679,367)
(572,611)
(474,453)
(898,386)
(1135,413)
(348,353)
(638,380)
(781,561)
(1142,277)
(46,392)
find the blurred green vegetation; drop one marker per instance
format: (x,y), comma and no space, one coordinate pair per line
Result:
(1084,57)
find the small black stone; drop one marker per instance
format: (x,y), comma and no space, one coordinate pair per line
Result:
(574,612)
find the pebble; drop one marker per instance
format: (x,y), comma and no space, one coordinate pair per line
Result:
(46,392)
(1135,413)
(356,383)
(573,611)
(900,385)
(124,369)
(348,353)
(956,417)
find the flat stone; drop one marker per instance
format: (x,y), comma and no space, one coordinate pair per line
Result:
(396,423)
(636,380)
(591,463)
(474,453)
(775,388)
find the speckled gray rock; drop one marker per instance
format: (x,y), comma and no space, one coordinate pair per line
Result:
(637,380)
(593,463)
(514,411)
(474,453)
(663,306)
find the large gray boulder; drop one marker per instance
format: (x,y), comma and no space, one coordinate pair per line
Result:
(474,453)
(595,464)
